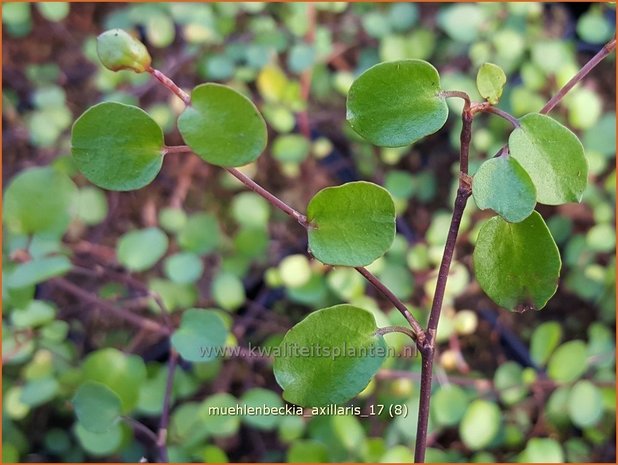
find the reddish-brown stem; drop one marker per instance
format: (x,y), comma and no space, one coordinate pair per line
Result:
(416,327)
(501,113)
(171,85)
(582,73)
(109,307)
(427,352)
(165,413)
(254,186)
(139,426)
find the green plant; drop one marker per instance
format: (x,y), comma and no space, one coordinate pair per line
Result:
(516,260)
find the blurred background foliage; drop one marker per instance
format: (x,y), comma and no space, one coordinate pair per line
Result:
(538,386)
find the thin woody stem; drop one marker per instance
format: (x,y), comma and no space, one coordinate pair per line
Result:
(582,73)
(171,85)
(501,113)
(165,413)
(395,329)
(419,334)
(254,186)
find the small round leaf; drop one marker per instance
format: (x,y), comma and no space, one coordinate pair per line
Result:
(502,185)
(200,335)
(490,81)
(97,407)
(117,147)
(329,357)
(585,404)
(568,362)
(517,264)
(39,200)
(544,340)
(397,103)
(552,156)
(352,224)
(140,250)
(480,424)
(222,126)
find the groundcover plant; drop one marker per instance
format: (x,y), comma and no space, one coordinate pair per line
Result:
(327,379)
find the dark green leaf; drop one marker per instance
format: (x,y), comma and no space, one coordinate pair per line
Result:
(502,185)
(352,224)
(200,335)
(222,126)
(552,156)
(517,264)
(96,406)
(349,355)
(117,146)
(397,103)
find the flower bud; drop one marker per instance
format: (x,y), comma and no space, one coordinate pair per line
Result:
(119,50)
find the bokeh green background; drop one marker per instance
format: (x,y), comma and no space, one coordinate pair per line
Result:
(538,386)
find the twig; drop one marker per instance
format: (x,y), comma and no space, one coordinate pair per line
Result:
(501,113)
(142,428)
(427,351)
(582,73)
(399,305)
(132,318)
(395,329)
(171,85)
(161,439)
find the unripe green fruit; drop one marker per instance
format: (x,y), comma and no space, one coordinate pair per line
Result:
(119,50)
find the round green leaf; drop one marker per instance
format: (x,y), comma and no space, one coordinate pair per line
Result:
(96,406)
(329,357)
(38,200)
(200,335)
(397,103)
(140,250)
(117,146)
(568,362)
(99,444)
(36,313)
(490,81)
(544,340)
(215,417)
(480,424)
(585,404)
(37,270)
(260,398)
(228,291)
(352,224)
(517,264)
(542,450)
(502,185)
(222,126)
(123,374)
(307,451)
(552,156)
(449,404)
(183,268)
(200,234)
(509,383)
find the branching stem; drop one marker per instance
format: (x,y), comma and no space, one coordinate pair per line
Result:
(419,334)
